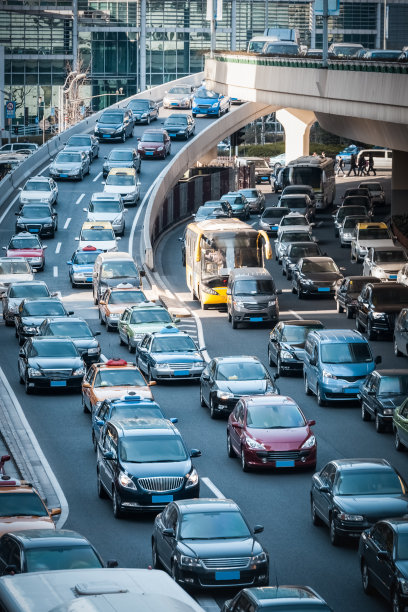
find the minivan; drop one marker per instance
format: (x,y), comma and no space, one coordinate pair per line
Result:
(335,362)
(112,269)
(382,158)
(252,297)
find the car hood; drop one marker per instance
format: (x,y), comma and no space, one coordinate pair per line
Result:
(37,320)
(209,101)
(256,299)
(102,393)
(83,268)
(117,308)
(17,301)
(103,216)
(402,566)
(36,195)
(22,523)
(119,189)
(85,148)
(112,126)
(391,401)
(6,279)
(244,387)
(374,507)
(171,468)
(351,369)
(169,125)
(178,357)
(395,266)
(388,309)
(103,245)
(118,164)
(34,220)
(213,549)
(281,439)
(66,165)
(25,253)
(175,96)
(114,282)
(55,363)
(151,145)
(322,276)
(297,349)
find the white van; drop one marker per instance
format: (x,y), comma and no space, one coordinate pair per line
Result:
(257,43)
(382,158)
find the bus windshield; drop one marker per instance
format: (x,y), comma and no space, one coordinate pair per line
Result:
(306,175)
(222,253)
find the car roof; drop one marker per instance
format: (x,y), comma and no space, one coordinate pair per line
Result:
(38,177)
(46,299)
(387,286)
(203,504)
(177,115)
(379,225)
(170,331)
(292,196)
(138,426)
(302,323)
(254,272)
(235,358)
(28,283)
(390,248)
(294,187)
(114,364)
(105,195)
(96,225)
(305,244)
(318,258)
(39,538)
(12,259)
(122,171)
(363,464)
(338,335)
(147,306)
(271,400)
(154,131)
(284,593)
(114,255)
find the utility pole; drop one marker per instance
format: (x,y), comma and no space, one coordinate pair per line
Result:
(325,18)
(2,126)
(142,45)
(385,32)
(213,27)
(234,25)
(75,34)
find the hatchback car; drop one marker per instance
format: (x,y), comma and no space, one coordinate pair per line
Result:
(380,393)
(39,189)
(78,331)
(180,126)
(123,182)
(144,110)
(50,363)
(314,276)
(239,204)
(98,234)
(38,219)
(107,207)
(13,270)
(348,291)
(170,354)
(378,306)
(144,465)
(208,543)
(115,124)
(270,219)
(15,294)
(226,379)
(384,262)
(32,312)
(256,199)
(84,142)
(350,495)
(293,221)
(115,300)
(279,598)
(270,432)
(81,266)
(179,96)
(209,103)
(141,319)
(70,165)
(295,252)
(28,246)
(121,158)
(154,144)
(286,346)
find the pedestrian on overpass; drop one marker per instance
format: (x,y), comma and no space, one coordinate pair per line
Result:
(361,166)
(371,165)
(353,165)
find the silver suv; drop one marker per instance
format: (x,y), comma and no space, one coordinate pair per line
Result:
(107,207)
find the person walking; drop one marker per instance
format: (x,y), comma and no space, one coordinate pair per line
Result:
(371,165)
(353,165)
(340,166)
(361,166)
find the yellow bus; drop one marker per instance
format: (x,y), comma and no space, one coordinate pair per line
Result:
(216,246)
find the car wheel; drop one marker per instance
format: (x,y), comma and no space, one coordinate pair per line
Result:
(397,352)
(148,120)
(194,114)
(307,388)
(280,371)
(359,327)
(121,342)
(174,571)
(213,408)
(244,465)
(230,450)
(397,442)
(202,401)
(123,138)
(109,328)
(85,408)
(270,358)
(155,557)
(283,271)
(365,579)
(379,424)
(117,512)
(131,349)
(234,322)
(320,400)
(28,390)
(349,312)
(150,376)
(334,536)
(94,443)
(316,520)
(99,486)
(397,606)
(20,340)
(300,293)
(365,415)
(101,319)
(219,113)
(8,322)
(338,307)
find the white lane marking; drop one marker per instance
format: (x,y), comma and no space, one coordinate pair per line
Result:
(67,222)
(55,271)
(135,220)
(103,358)
(212,487)
(60,494)
(97,177)
(295,314)
(58,248)
(80,198)
(44,169)
(8,207)
(307,312)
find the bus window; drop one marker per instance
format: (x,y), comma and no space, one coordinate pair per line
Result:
(307,176)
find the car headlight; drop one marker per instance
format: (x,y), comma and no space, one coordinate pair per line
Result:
(306,281)
(198,364)
(79,372)
(327,374)
(388,411)
(286,355)
(206,289)
(347,235)
(224,395)
(215,105)
(144,115)
(79,275)
(114,315)
(258,559)
(13,308)
(35,259)
(189,561)
(343,516)
(192,479)
(33,372)
(119,129)
(311,441)
(404,585)
(272,303)
(140,337)
(93,351)
(160,148)
(238,304)
(125,481)
(47,224)
(163,366)
(30,329)
(116,220)
(24,200)
(115,248)
(378,315)
(254,444)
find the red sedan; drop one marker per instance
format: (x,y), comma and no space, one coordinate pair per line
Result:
(155,143)
(26,245)
(270,431)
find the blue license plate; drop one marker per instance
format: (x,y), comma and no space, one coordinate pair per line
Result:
(274,227)
(355,391)
(161,499)
(174,103)
(149,152)
(181,372)
(172,135)
(393,276)
(89,279)
(58,383)
(106,135)
(265,178)
(34,231)
(287,463)
(323,289)
(64,175)
(227,575)
(256,319)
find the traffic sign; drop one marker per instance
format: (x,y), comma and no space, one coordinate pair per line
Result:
(10,109)
(36,120)
(52,113)
(333,7)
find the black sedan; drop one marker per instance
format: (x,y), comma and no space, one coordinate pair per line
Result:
(31,313)
(348,291)
(380,393)
(121,158)
(350,495)
(180,126)
(40,219)
(226,379)
(115,124)
(383,554)
(144,110)
(279,598)
(50,363)
(378,305)
(84,142)
(295,252)
(286,345)
(208,543)
(315,276)
(76,329)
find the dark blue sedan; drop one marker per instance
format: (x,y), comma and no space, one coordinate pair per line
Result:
(81,266)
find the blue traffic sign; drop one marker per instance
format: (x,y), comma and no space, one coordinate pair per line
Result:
(10,109)
(36,120)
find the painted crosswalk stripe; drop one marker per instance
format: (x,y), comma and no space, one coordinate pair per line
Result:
(58,248)
(67,222)
(80,198)
(97,177)
(55,271)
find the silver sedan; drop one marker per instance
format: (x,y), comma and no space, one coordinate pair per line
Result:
(70,165)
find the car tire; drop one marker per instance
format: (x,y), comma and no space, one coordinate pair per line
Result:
(308,391)
(365,579)
(202,401)
(320,401)
(244,465)
(379,424)
(8,323)
(365,415)
(117,512)
(270,358)
(397,442)
(349,312)
(219,113)
(339,308)
(150,377)
(213,408)
(397,606)
(121,342)
(174,571)
(359,327)
(334,536)
(101,319)
(94,443)
(234,322)
(230,450)
(99,487)
(370,333)
(300,293)
(123,137)
(85,408)
(156,564)
(397,352)
(28,390)
(280,370)
(316,520)
(148,120)
(194,114)
(20,340)
(131,349)
(109,328)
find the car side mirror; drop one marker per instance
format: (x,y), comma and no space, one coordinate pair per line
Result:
(312,361)
(21,353)
(258,529)
(76,238)
(17,214)
(85,209)
(378,359)
(142,273)
(4,248)
(152,383)
(108,455)
(100,423)
(86,385)
(97,333)
(112,563)
(169,533)
(311,422)
(173,420)
(11,569)
(195,453)
(383,555)
(205,376)
(106,157)
(176,320)
(324,488)
(203,348)
(71,312)
(55,511)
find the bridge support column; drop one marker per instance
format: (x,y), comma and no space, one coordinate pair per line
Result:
(297,124)
(208,156)
(399,183)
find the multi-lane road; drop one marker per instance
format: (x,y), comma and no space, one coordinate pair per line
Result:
(300,553)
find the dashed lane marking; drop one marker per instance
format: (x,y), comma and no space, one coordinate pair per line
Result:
(98,176)
(80,198)
(67,222)
(55,271)
(58,248)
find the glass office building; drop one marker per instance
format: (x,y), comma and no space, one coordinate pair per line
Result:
(39,37)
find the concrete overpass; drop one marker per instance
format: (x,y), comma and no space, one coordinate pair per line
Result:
(359,100)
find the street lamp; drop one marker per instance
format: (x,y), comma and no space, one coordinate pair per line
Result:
(41,104)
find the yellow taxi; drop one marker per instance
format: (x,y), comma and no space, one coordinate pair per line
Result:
(98,234)
(21,505)
(111,380)
(115,300)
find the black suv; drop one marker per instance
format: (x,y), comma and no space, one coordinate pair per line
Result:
(143,464)
(144,111)
(40,219)
(380,393)
(348,291)
(378,306)
(115,124)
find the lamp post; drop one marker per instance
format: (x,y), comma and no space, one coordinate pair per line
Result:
(41,104)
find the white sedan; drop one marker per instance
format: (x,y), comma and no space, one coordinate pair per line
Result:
(39,189)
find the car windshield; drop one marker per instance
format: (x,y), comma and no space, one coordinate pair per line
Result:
(22,291)
(296,334)
(346,352)
(275,213)
(151,316)
(394,384)
(319,267)
(176,121)
(41,309)
(346,51)
(274,417)
(213,525)
(384,256)
(97,235)
(282,49)
(402,546)
(347,211)
(123,377)
(293,202)
(233,199)
(369,482)
(85,257)
(37,186)
(111,118)
(127,297)
(356,200)
(294,221)
(296,237)
(117,155)
(68,158)
(79,141)
(249,193)
(241,370)
(24,243)
(306,175)
(54,348)
(152,137)
(254,287)
(179,90)
(173,345)
(21,504)
(133,411)
(105,207)
(351,222)
(303,251)
(139,105)
(60,558)
(205,211)
(15,267)
(152,449)
(206,94)
(119,269)
(390,297)
(356,285)
(126,180)
(373,186)
(374,234)
(72,329)
(35,212)
(261,163)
